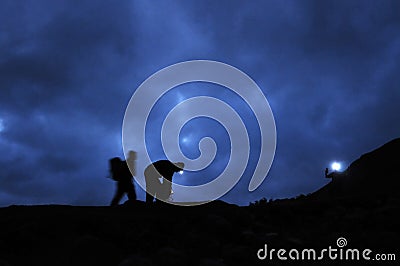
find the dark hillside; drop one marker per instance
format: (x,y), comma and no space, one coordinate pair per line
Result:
(361,205)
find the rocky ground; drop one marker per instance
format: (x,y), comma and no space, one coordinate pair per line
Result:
(211,234)
(360,205)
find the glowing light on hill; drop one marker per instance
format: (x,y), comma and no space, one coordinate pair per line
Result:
(336,166)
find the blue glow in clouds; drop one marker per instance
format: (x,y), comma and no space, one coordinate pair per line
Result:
(1,125)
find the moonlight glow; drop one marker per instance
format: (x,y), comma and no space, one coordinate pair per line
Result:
(336,166)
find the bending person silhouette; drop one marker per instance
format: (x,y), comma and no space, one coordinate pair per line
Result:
(120,172)
(164,170)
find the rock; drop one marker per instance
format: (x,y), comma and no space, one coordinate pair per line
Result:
(89,250)
(211,262)
(170,256)
(239,255)
(4,263)
(217,224)
(200,245)
(136,260)
(248,237)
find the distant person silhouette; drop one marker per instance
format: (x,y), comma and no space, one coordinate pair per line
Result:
(120,172)
(326,172)
(164,170)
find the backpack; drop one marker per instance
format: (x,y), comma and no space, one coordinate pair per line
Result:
(119,169)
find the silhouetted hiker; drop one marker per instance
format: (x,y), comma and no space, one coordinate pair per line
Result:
(326,172)
(154,187)
(120,172)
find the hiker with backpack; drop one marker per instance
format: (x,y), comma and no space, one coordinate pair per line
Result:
(122,172)
(164,170)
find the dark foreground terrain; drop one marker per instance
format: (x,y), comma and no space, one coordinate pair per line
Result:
(213,234)
(360,205)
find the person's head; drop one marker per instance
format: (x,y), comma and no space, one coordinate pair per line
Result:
(179,165)
(132,155)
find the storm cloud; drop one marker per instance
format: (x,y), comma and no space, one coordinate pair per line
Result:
(329,70)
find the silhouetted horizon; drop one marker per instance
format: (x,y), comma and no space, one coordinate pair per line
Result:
(373,175)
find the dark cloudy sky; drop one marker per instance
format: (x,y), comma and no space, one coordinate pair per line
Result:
(330,71)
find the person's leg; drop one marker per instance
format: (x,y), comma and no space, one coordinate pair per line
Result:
(147,178)
(163,191)
(152,183)
(151,191)
(149,197)
(118,196)
(131,192)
